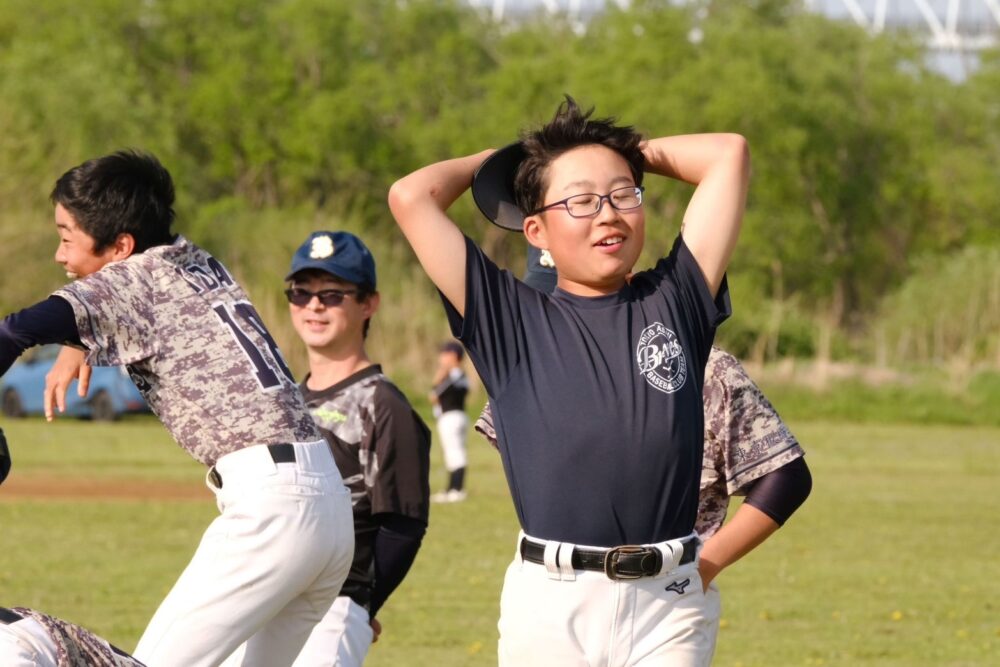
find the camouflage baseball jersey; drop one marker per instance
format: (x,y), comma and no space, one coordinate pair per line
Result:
(195,347)
(76,646)
(744,439)
(382,448)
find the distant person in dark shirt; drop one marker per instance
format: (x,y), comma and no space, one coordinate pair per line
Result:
(451,386)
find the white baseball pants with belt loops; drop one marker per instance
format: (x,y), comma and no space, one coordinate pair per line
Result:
(552,615)
(267,569)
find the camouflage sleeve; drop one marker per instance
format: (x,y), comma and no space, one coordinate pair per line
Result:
(713,499)
(114,314)
(484,425)
(754,439)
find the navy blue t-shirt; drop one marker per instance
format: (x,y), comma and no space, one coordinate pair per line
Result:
(596,400)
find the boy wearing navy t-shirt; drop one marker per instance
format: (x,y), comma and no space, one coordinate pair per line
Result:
(596,389)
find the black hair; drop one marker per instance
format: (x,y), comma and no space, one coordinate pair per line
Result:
(128,192)
(570,128)
(455,348)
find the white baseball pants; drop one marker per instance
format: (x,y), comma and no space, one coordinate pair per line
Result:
(341,639)
(453,426)
(267,568)
(580,618)
(27,644)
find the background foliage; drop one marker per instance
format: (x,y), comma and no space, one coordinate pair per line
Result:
(871,232)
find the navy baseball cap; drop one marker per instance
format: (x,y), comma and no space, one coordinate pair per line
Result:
(4,457)
(493,187)
(341,254)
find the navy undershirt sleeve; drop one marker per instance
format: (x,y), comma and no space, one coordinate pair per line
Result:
(51,321)
(396,545)
(780,492)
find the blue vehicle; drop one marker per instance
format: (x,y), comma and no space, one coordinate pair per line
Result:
(111,391)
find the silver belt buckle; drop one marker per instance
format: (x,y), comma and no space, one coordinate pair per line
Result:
(612,557)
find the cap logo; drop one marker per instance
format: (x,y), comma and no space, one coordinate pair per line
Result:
(321,247)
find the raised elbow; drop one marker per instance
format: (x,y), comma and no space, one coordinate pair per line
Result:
(737,149)
(401,198)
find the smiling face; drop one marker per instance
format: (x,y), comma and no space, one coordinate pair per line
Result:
(332,329)
(593,255)
(76,247)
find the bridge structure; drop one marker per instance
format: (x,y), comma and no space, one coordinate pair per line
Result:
(956,28)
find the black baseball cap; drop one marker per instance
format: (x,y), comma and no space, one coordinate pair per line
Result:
(493,187)
(4,457)
(341,254)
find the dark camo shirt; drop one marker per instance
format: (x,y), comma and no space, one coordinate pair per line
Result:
(76,646)
(196,348)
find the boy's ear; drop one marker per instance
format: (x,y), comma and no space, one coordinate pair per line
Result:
(535,232)
(123,246)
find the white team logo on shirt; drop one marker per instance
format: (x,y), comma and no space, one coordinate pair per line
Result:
(661,358)
(321,247)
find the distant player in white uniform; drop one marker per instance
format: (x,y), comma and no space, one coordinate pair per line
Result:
(596,389)
(451,386)
(273,561)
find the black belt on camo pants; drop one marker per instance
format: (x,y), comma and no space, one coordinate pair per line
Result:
(280,453)
(625,562)
(7,616)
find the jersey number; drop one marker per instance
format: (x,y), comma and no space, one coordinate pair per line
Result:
(267,363)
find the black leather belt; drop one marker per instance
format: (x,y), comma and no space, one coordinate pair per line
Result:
(625,562)
(281,453)
(7,616)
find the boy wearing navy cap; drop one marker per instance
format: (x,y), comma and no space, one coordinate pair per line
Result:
(596,389)
(379,442)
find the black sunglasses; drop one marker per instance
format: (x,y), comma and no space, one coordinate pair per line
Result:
(328,297)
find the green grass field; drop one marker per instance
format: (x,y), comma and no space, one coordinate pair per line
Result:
(893,561)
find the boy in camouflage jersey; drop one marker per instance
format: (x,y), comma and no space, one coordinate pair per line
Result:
(141,297)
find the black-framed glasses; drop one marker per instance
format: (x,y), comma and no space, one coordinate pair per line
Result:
(590,203)
(300,297)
